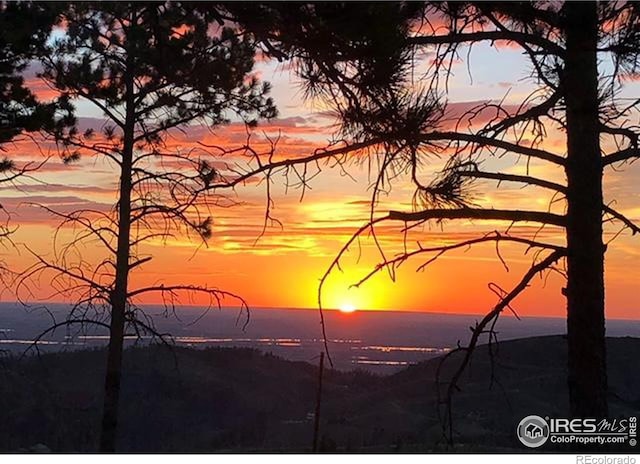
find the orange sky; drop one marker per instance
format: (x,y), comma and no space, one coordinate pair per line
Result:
(283,268)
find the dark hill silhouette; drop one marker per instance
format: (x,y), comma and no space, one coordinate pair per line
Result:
(217,400)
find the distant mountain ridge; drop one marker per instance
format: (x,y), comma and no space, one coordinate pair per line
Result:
(380,341)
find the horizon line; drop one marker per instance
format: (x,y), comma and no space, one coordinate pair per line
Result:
(336,310)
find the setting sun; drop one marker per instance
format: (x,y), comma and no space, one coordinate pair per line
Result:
(347,308)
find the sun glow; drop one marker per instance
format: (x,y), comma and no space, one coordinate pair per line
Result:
(347,308)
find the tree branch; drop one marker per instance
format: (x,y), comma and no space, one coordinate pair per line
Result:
(514,178)
(496,237)
(493,142)
(482,214)
(481,326)
(509,36)
(318,155)
(635,229)
(622,155)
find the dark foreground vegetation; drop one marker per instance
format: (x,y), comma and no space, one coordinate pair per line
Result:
(232,400)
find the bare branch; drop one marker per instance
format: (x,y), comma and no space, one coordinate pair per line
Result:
(514,178)
(480,328)
(626,154)
(318,155)
(482,214)
(494,142)
(496,237)
(635,228)
(185,288)
(546,45)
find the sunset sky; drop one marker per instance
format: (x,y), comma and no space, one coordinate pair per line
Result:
(283,267)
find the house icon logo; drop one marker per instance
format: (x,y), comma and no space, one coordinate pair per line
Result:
(533,431)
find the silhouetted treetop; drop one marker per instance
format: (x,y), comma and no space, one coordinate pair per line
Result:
(24,30)
(352,54)
(182,67)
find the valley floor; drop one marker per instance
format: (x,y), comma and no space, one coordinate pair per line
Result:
(244,400)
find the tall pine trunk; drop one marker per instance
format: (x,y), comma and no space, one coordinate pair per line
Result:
(585,259)
(120,291)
